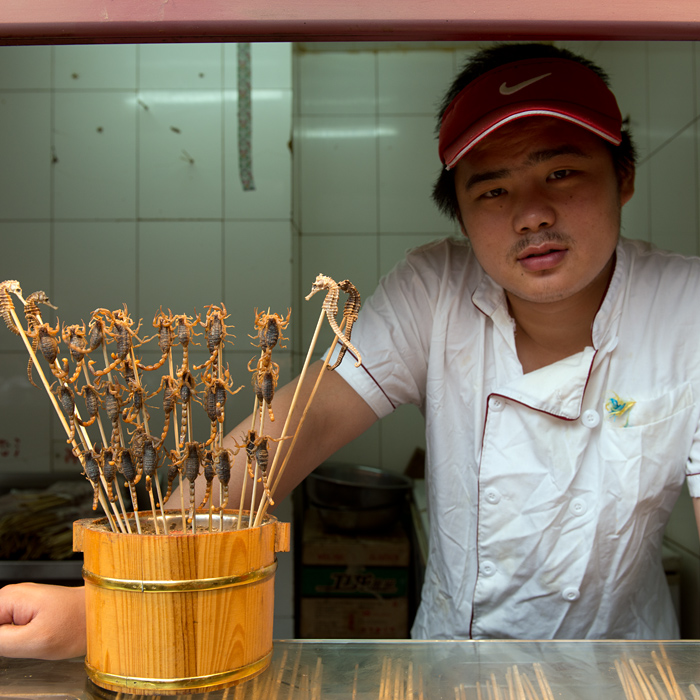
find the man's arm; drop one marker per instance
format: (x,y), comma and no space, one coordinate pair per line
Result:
(696,508)
(335,417)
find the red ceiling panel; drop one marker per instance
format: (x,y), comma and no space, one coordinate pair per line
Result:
(114,21)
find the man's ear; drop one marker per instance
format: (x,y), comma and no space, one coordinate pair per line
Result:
(461,226)
(627,187)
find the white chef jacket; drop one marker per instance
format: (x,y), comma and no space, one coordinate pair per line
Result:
(548,492)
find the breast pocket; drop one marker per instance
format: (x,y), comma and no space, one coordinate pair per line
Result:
(645,447)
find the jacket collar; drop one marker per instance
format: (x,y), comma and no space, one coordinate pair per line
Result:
(559,388)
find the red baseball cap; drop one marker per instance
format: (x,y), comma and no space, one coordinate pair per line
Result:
(550,87)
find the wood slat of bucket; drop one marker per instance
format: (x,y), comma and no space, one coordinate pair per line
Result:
(166,636)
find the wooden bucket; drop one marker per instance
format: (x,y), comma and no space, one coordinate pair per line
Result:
(168,614)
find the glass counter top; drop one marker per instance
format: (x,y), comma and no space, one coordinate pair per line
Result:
(419,670)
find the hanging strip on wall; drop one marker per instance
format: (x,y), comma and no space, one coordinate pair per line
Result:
(245,126)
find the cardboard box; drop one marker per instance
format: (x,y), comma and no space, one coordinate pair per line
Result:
(348,618)
(353,587)
(323,548)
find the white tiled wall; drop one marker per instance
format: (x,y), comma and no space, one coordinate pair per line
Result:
(119,184)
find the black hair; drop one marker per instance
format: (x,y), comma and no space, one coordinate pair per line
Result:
(624,156)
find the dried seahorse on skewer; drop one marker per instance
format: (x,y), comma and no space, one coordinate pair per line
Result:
(330,306)
(31,307)
(270,327)
(165,338)
(33,317)
(6,303)
(350,313)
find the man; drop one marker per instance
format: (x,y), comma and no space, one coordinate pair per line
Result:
(554,364)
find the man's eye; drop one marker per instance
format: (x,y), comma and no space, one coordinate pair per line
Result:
(497,192)
(560,174)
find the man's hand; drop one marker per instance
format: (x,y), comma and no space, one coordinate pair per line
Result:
(42,621)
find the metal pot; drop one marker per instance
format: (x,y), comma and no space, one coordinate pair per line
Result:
(356,498)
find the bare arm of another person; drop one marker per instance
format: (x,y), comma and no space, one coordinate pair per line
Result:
(42,621)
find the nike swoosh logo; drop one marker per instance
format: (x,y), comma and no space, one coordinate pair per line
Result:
(505,90)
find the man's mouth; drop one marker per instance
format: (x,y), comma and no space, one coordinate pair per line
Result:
(543,257)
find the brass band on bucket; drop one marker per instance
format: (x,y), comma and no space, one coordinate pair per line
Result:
(240,673)
(184,586)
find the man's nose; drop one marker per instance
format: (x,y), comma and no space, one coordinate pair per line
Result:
(534,212)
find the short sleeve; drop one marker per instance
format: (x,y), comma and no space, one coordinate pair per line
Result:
(393,332)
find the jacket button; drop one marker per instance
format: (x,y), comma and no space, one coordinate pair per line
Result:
(578,506)
(488,568)
(492,496)
(496,403)
(590,418)
(571,594)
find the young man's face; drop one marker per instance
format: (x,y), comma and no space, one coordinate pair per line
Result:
(540,203)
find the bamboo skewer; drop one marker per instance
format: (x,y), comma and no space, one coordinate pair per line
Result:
(263,508)
(529,688)
(664,676)
(54,402)
(116,328)
(643,681)
(658,688)
(318,675)
(292,406)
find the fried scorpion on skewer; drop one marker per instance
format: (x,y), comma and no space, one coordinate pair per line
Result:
(121,332)
(257,453)
(215,331)
(214,399)
(265,376)
(270,327)
(164,324)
